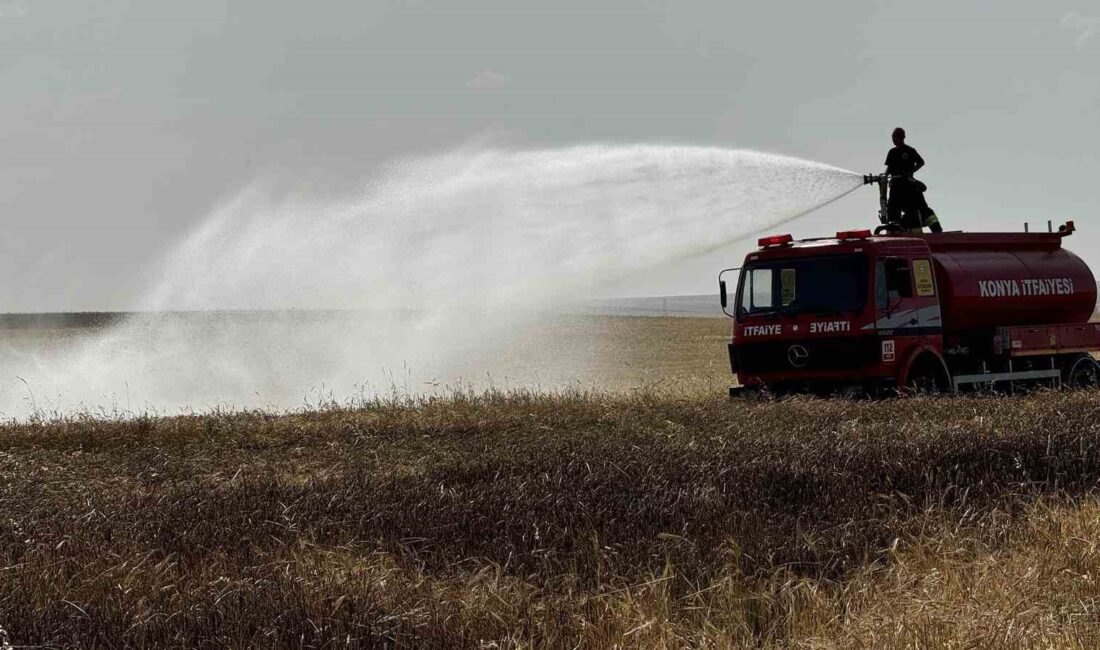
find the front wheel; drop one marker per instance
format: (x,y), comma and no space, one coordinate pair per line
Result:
(926,378)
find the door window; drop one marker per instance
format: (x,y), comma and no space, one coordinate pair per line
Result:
(893,282)
(880,285)
(787,286)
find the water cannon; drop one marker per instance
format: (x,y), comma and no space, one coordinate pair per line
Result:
(882,180)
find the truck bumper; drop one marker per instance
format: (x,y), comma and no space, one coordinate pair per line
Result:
(825,387)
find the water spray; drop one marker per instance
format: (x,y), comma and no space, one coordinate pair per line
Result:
(440,261)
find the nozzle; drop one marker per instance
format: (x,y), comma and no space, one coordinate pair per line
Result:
(873,178)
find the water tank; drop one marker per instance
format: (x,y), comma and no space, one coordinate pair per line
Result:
(988,280)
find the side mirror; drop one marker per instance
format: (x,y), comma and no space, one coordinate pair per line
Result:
(723,294)
(893,300)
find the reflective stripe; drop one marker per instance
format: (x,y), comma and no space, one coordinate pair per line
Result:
(924,317)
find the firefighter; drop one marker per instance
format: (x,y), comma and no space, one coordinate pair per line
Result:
(907,207)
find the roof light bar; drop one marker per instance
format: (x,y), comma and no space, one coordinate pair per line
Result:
(775,240)
(845,235)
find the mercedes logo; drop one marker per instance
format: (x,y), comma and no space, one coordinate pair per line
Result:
(798,356)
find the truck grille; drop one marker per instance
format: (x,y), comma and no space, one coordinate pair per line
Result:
(815,355)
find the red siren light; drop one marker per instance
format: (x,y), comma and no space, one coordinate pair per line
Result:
(845,235)
(775,240)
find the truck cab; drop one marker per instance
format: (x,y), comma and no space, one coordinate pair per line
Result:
(860,314)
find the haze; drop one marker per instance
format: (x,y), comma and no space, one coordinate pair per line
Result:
(124,124)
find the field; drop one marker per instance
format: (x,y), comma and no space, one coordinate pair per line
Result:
(657,514)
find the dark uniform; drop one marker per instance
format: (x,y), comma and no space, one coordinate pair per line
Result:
(907,206)
(903,160)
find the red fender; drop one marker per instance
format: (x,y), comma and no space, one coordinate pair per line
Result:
(912,358)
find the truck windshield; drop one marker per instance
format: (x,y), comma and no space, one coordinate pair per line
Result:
(836,284)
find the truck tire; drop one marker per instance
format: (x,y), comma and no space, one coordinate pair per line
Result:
(927,377)
(1081,371)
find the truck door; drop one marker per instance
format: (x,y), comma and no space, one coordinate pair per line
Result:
(907,310)
(895,309)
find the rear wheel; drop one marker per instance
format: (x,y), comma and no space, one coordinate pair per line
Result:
(1082,372)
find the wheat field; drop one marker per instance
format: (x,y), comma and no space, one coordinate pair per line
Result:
(654,514)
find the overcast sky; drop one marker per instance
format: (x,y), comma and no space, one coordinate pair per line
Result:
(124,122)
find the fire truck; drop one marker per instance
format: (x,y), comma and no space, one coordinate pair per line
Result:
(867,314)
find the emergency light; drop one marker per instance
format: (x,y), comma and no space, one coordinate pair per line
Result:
(775,240)
(845,235)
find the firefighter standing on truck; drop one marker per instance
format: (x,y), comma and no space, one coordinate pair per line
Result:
(907,207)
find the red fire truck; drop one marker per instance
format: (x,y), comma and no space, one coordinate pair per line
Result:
(862,314)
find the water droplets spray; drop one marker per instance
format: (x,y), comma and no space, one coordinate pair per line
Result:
(438,259)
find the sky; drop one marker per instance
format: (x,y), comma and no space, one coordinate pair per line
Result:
(124,123)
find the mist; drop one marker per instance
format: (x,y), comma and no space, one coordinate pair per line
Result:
(416,283)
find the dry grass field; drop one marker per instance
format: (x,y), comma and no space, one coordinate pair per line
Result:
(655,515)
(622,354)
